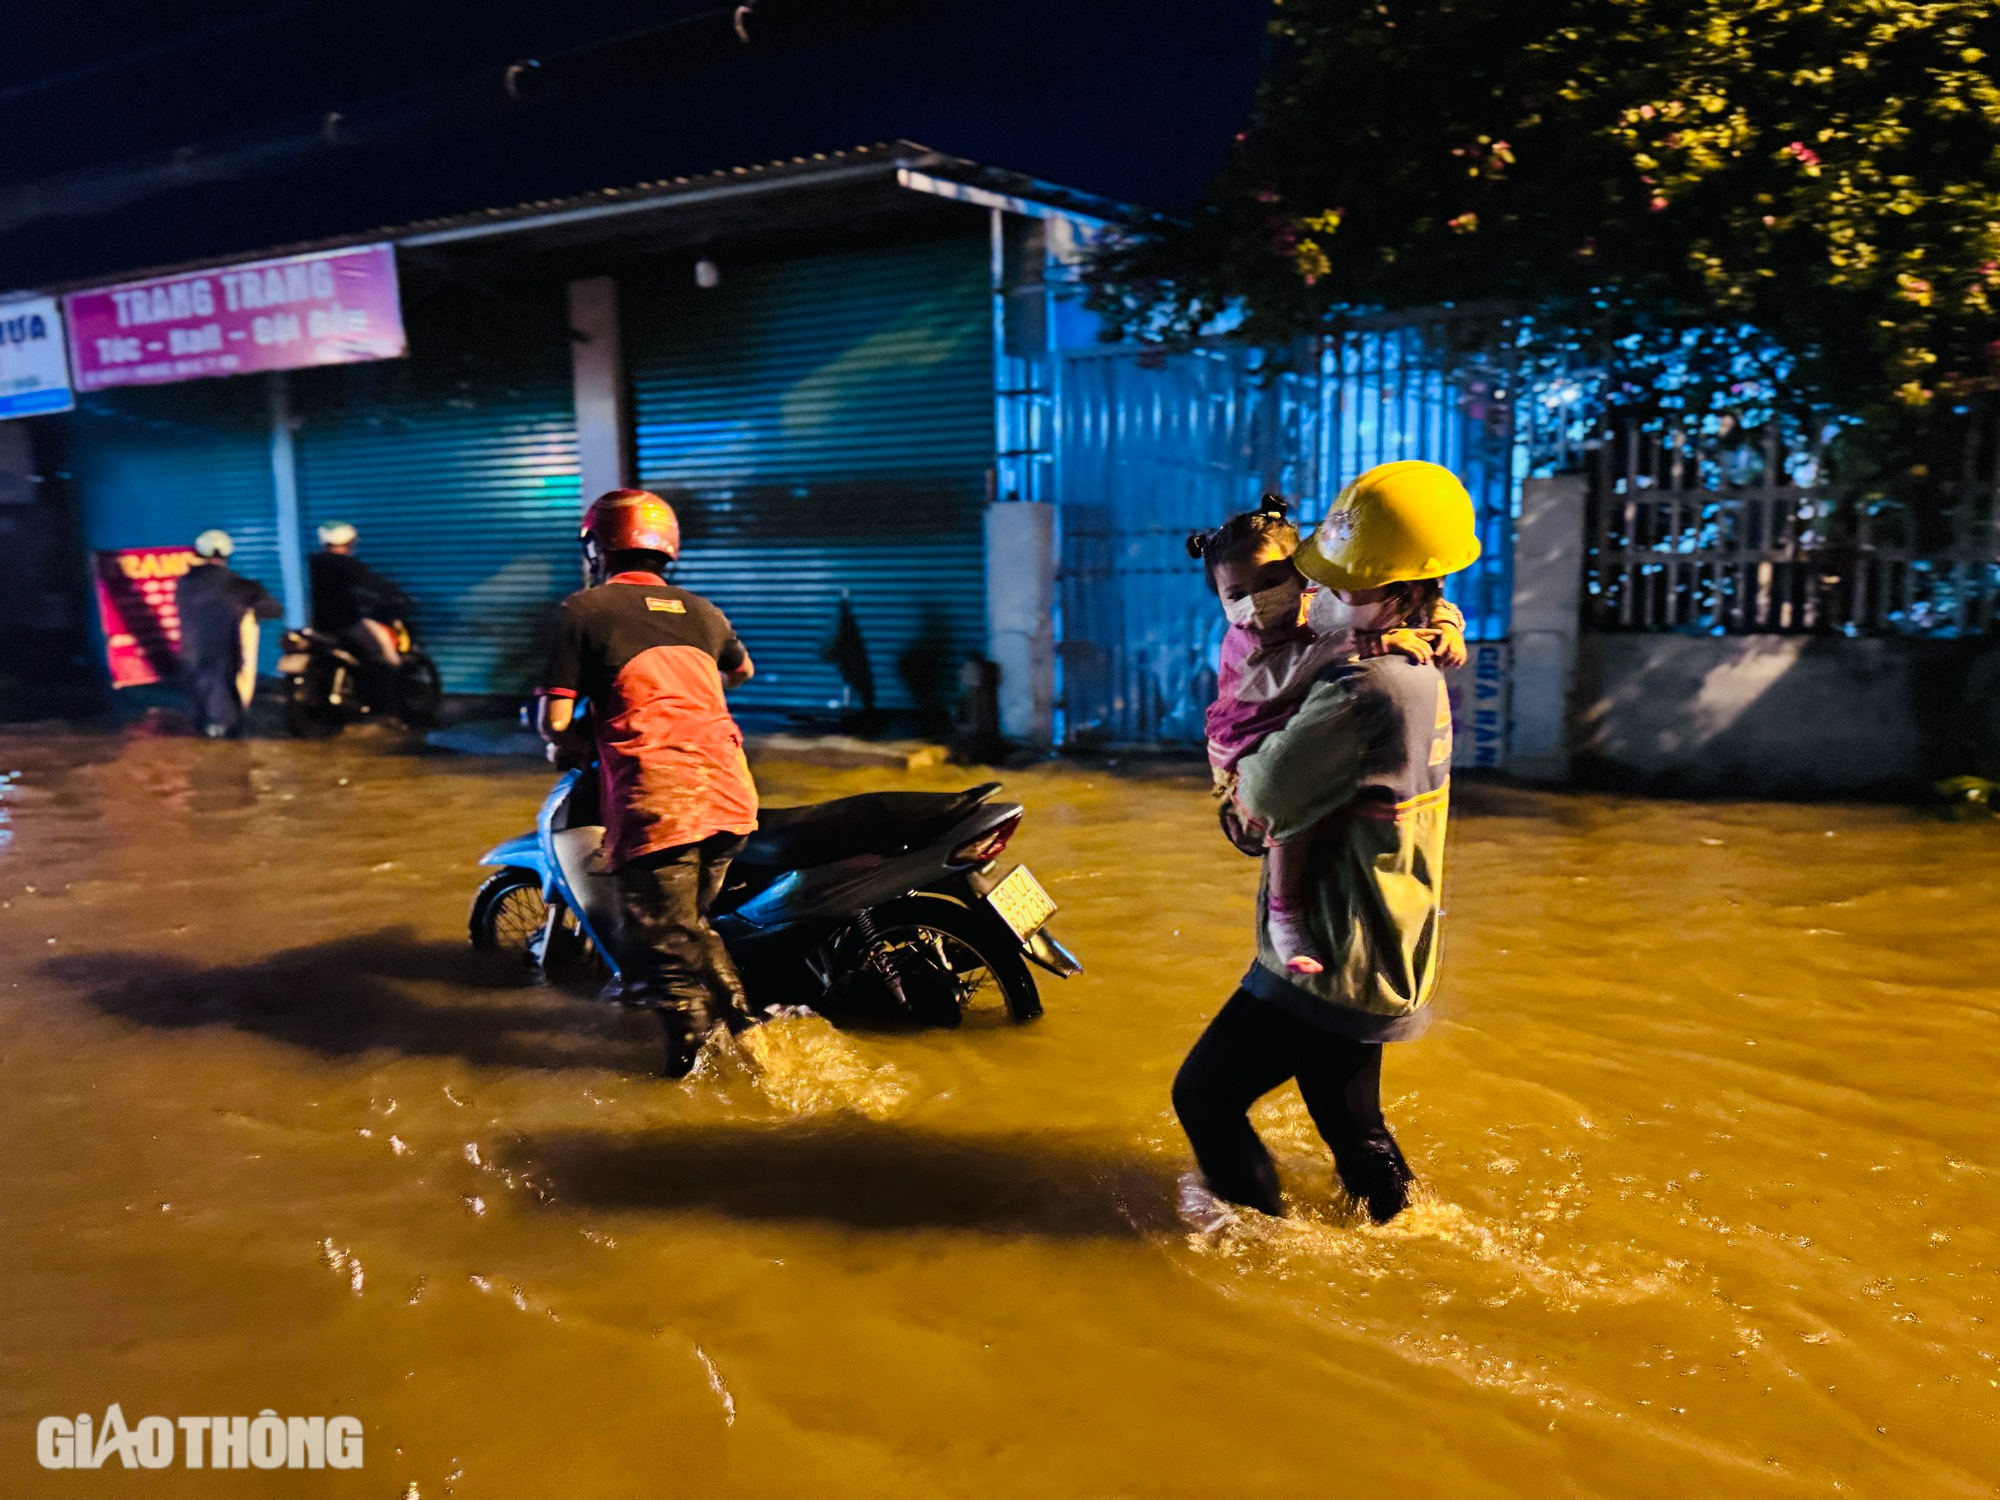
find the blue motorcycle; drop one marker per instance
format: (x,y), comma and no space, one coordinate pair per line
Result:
(886,903)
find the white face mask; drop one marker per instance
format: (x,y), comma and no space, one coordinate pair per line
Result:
(1328,612)
(1265,608)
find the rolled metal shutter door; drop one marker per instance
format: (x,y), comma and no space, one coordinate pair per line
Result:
(157,466)
(824,424)
(458,465)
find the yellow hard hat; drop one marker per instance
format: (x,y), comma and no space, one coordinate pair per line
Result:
(1395,523)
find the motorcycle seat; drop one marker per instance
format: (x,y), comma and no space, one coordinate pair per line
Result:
(884,823)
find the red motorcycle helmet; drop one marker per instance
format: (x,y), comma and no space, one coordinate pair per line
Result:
(631,521)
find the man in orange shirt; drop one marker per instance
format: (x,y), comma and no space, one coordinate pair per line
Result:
(653,661)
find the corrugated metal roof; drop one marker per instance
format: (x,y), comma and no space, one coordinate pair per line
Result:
(878,162)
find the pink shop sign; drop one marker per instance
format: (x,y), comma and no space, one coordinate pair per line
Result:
(335,307)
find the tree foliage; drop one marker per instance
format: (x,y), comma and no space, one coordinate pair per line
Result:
(1832,171)
(1797,195)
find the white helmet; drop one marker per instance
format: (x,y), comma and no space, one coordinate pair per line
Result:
(213,543)
(337,534)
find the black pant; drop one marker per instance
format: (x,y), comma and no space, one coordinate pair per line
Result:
(1252,1047)
(672,957)
(376,673)
(218,711)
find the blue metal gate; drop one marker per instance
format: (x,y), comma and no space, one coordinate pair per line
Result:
(1151,447)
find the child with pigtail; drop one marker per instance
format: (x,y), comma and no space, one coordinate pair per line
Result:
(1283,632)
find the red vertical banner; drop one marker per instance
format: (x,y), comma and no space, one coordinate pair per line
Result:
(135,604)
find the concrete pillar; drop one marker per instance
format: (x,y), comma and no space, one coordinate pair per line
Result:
(1020,614)
(19,482)
(285,493)
(597,373)
(1548,611)
(23,527)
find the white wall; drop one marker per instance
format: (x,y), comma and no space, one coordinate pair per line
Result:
(1778,715)
(1548,604)
(1020,615)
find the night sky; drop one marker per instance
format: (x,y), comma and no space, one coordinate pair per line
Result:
(1132,99)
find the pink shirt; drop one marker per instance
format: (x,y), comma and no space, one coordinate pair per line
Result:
(1252,699)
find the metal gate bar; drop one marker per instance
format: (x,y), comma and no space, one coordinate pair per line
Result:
(1153,446)
(1677,545)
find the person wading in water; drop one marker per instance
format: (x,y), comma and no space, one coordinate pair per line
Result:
(219,610)
(653,662)
(1360,777)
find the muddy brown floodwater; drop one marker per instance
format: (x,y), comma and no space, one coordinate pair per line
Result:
(1706,1129)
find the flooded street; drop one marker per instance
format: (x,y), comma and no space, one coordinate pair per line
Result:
(1705,1128)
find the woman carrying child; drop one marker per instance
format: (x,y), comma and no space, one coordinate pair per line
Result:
(1331,738)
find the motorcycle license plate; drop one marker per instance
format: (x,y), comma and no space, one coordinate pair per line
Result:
(291,665)
(1021,903)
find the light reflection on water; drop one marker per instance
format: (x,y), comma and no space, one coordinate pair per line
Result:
(1707,1199)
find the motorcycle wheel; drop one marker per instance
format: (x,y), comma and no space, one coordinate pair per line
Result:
(508,914)
(931,937)
(308,716)
(419,691)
